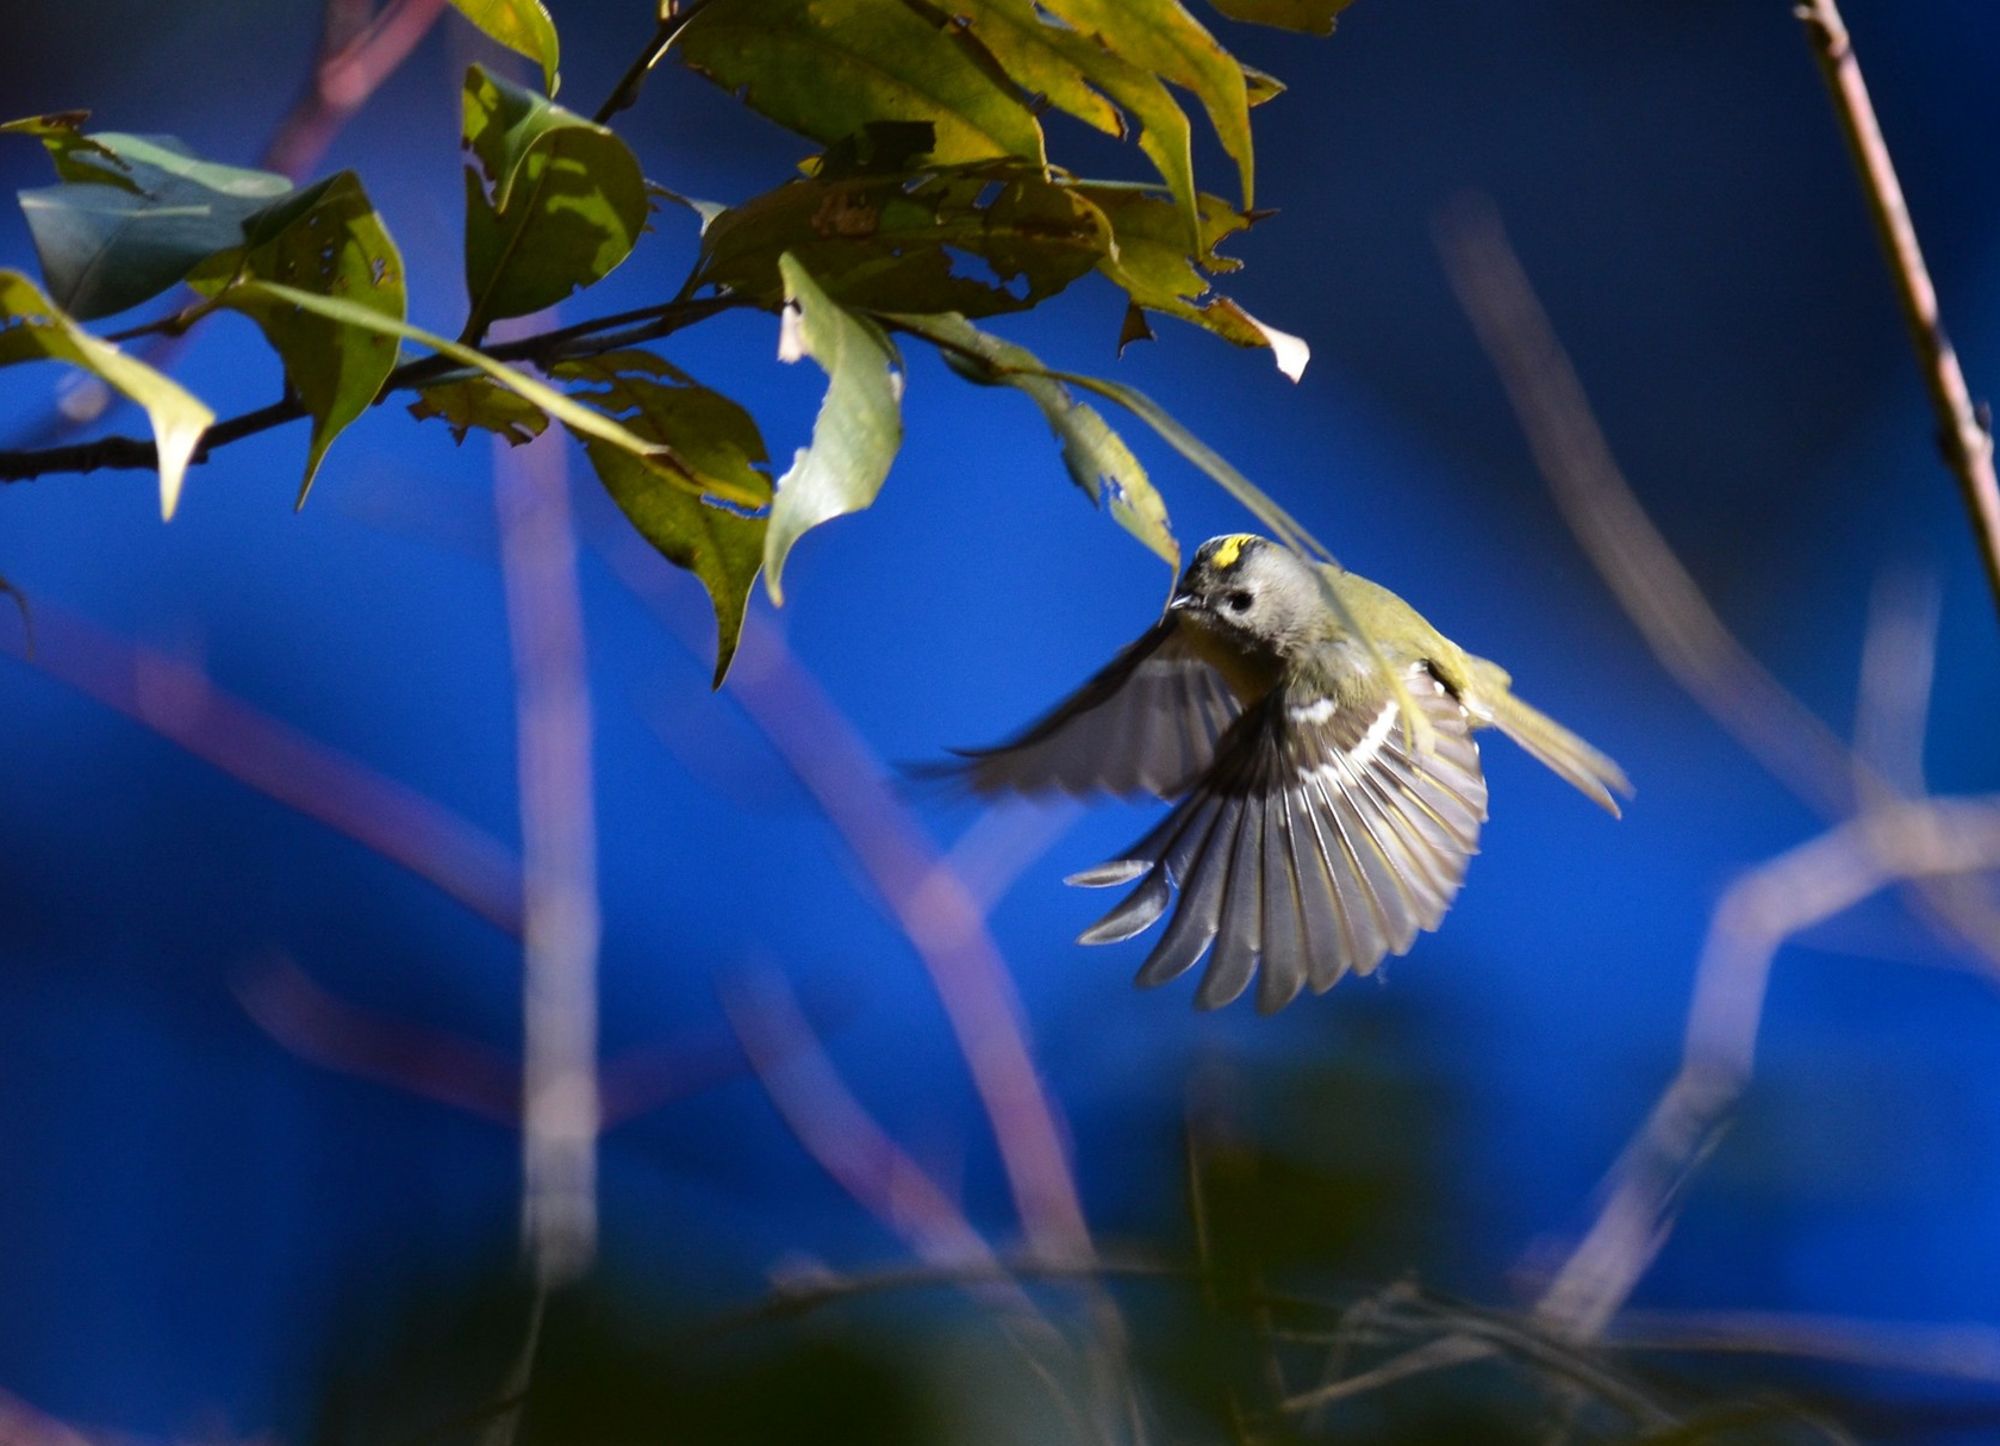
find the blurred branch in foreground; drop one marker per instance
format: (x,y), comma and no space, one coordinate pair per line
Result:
(1654,587)
(1897,838)
(560,1109)
(1804,886)
(176,700)
(945,923)
(1964,432)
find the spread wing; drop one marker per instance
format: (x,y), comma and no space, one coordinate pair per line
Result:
(1317,843)
(1146,724)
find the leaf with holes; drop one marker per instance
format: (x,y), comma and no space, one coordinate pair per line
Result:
(523,26)
(562,204)
(34,328)
(860,423)
(716,439)
(480,402)
(898,242)
(1152,264)
(826,68)
(132,215)
(1098,460)
(327,240)
(1088,80)
(1308,17)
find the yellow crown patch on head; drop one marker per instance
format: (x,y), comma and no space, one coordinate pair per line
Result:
(1229,550)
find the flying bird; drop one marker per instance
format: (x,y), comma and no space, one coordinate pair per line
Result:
(1313,832)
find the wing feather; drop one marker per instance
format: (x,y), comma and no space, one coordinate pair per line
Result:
(1318,842)
(1146,723)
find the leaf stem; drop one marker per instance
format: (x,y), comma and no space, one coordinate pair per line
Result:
(626,93)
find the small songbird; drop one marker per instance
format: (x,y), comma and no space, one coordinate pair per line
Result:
(1313,831)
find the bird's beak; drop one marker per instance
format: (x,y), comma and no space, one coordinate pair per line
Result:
(1181,601)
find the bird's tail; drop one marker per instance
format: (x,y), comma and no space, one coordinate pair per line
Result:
(1592,773)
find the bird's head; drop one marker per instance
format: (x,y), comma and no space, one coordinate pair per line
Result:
(1249,592)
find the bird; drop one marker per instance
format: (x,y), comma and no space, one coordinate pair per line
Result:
(1326,784)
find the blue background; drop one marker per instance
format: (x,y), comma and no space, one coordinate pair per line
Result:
(190,1217)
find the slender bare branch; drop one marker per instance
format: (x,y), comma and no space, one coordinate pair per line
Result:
(560,1109)
(1963,431)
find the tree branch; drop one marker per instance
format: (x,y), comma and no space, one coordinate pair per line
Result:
(1963,431)
(544,349)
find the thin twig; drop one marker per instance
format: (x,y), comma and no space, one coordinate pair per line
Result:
(560,1109)
(583,338)
(1963,432)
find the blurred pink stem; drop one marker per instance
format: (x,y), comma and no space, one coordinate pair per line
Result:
(561,1110)
(176,700)
(931,904)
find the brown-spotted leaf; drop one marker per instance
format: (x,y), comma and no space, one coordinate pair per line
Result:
(480,402)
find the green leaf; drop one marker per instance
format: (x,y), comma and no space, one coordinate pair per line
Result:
(716,439)
(133,215)
(34,328)
(585,421)
(481,402)
(1308,17)
(826,68)
(1098,460)
(894,241)
(1152,263)
(523,26)
(328,240)
(567,201)
(860,423)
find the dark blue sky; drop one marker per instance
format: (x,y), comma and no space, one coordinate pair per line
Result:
(187,1210)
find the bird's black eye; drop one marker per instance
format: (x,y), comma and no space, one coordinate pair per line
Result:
(1239,601)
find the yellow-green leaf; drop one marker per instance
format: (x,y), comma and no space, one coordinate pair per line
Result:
(470,402)
(586,421)
(1098,460)
(34,328)
(1308,17)
(860,423)
(566,204)
(826,68)
(1160,36)
(327,239)
(523,26)
(1157,271)
(716,439)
